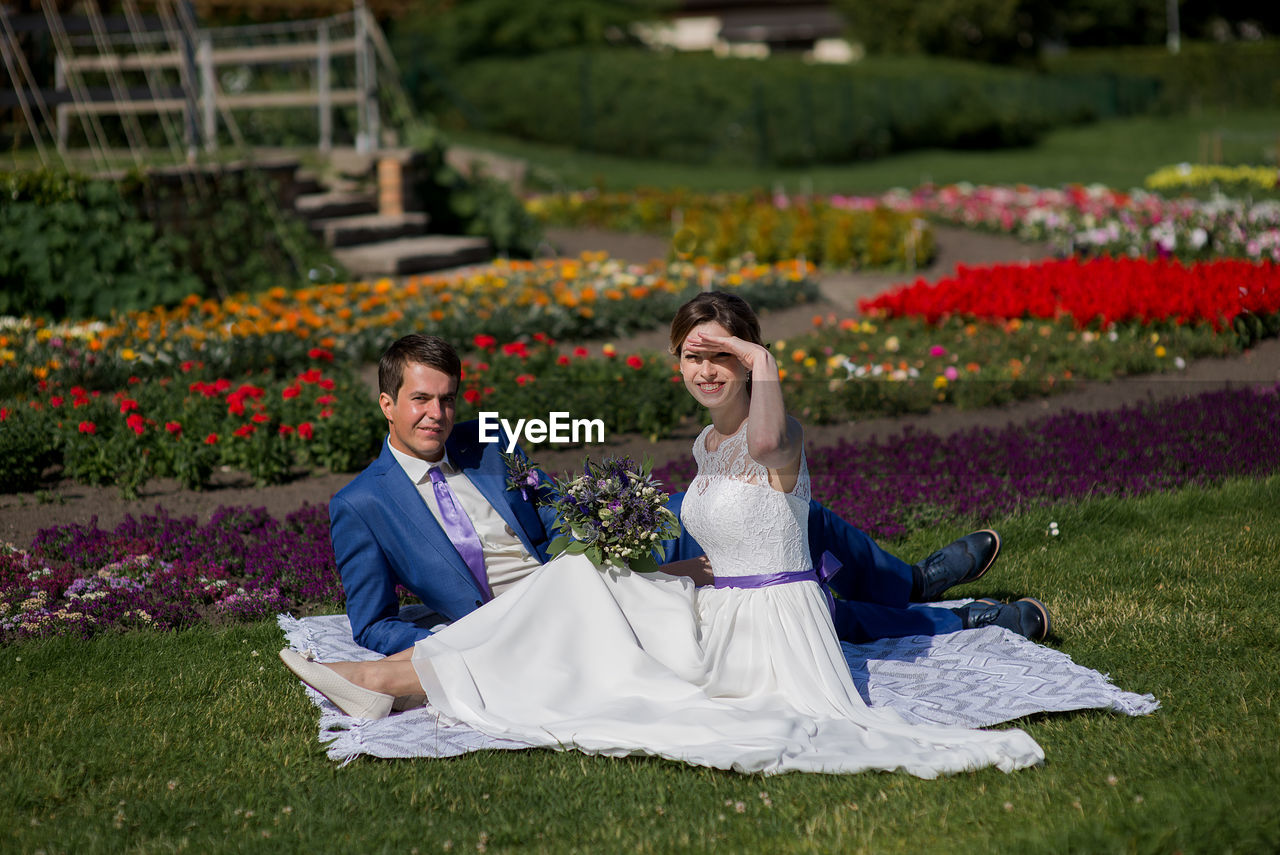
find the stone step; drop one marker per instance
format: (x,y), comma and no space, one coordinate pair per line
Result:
(403,256)
(327,206)
(369,228)
(307,182)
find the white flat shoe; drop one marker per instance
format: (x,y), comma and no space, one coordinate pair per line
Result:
(353,700)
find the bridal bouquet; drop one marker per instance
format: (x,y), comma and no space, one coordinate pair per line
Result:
(614,513)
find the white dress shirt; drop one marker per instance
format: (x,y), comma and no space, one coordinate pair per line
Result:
(506,561)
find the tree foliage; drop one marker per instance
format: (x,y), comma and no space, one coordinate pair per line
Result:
(455,31)
(1017,30)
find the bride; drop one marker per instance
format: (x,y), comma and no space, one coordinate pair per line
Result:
(746,674)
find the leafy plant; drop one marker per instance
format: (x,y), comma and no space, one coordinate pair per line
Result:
(76,247)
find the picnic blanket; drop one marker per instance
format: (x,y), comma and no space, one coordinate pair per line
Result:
(972,678)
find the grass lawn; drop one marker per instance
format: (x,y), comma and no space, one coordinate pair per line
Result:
(201,741)
(1119,153)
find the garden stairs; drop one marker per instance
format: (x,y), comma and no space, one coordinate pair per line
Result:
(359,210)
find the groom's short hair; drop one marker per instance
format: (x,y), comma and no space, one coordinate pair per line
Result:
(429,350)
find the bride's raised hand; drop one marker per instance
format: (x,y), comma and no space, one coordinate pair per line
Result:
(754,357)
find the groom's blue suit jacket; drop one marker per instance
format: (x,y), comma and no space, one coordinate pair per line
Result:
(384,535)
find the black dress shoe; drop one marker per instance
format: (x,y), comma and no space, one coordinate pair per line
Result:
(1027,617)
(960,561)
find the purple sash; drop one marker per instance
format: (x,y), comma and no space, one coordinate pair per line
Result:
(830,565)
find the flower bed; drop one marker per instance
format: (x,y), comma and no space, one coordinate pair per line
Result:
(1095,220)
(918,479)
(726,225)
(165,572)
(850,368)
(191,424)
(1105,291)
(1153,317)
(269,385)
(1187,176)
(591,297)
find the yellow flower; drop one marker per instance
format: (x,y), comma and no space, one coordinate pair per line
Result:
(1161,352)
(128,354)
(939,382)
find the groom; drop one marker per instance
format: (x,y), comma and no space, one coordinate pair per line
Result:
(433,515)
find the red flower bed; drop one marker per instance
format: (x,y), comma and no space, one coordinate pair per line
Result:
(1108,289)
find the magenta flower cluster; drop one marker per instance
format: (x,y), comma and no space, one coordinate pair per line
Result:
(167,572)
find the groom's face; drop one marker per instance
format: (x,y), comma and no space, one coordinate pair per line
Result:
(420,416)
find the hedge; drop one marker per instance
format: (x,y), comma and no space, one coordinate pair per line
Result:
(697,108)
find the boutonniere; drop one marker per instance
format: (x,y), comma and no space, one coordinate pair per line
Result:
(522,475)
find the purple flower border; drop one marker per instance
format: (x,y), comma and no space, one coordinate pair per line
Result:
(166,572)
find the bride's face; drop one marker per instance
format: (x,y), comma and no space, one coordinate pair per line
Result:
(714,377)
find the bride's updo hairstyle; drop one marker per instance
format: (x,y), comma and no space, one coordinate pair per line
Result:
(728,310)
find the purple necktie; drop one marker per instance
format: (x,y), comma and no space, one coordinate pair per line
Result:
(460,530)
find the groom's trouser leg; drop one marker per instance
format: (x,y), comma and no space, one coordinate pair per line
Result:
(869,574)
(858,622)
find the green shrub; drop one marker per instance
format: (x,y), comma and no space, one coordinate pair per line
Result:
(1201,75)
(27,447)
(77,247)
(696,108)
(227,228)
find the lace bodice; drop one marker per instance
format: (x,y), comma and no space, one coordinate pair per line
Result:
(746,526)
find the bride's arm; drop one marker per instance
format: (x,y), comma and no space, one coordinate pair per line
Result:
(698,569)
(774,439)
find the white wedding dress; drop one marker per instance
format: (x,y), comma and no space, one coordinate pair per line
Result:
(751,679)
